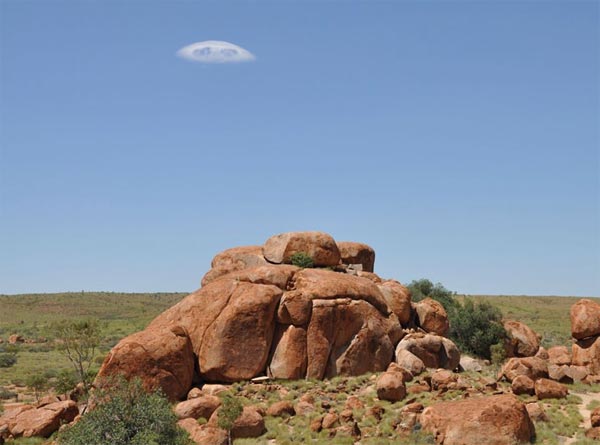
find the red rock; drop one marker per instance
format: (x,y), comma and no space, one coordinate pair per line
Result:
(549,389)
(559,355)
(490,420)
(409,361)
(587,353)
(536,412)
(194,393)
(585,319)
(236,346)
(249,424)
(316,425)
(9,418)
(45,420)
(281,408)
(330,420)
(433,350)
(232,260)
(390,386)
(560,373)
(442,378)
(15,338)
(578,373)
(213,389)
(357,253)
(595,417)
(532,367)
(162,358)
(522,384)
(320,246)
(196,408)
(289,358)
(407,376)
(432,316)
(522,340)
(593,433)
(203,434)
(353,402)
(397,298)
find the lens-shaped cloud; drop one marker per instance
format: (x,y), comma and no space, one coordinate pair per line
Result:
(215,51)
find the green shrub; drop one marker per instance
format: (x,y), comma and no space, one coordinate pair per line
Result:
(38,383)
(424,288)
(230,410)
(65,381)
(302,259)
(475,327)
(7,359)
(126,414)
(5,394)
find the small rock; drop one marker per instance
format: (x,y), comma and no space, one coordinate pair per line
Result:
(549,389)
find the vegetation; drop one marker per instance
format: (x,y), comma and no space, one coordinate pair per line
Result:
(230,410)
(475,326)
(125,414)
(7,359)
(38,383)
(78,342)
(302,259)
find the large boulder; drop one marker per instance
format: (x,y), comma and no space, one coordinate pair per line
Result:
(491,420)
(559,355)
(433,350)
(587,353)
(320,246)
(432,316)
(397,298)
(289,357)
(203,434)
(549,389)
(198,407)
(162,358)
(43,421)
(249,423)
(235,259)
(522,340)
(357,253)
(585,319)
(390,386)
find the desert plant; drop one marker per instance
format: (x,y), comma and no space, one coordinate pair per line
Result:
(65,381)
(7,359)
(126,414)
(38,383)
(230,410)
(78,341)
(475,327)
(424,288)
(302,259)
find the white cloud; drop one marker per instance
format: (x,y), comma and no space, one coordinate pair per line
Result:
(215,51)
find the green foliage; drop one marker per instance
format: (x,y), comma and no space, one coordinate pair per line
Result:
(302,259)
(230,410)
(7,359)
(126,414)
(475,327)
(424,288)
(38,383)
(78,341)
(65,381)
(497,353)
(5,394)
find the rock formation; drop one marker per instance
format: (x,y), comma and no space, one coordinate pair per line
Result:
(257,314)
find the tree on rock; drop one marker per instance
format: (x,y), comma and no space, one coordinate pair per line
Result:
(231,409)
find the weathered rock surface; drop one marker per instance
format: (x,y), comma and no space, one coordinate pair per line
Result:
(203,434)
(249,424)
(559,355)
(585,319)
(320,246)
(433,350)
(522,384)
(357,253)
(198,407)
(390,386)
(232,260)
(492,420)
(587,353)
(595,417)
(29,421)
(397,298)
(161,357)
(432,316)
(522,340)
(549,389)
(281,408)
(532,367)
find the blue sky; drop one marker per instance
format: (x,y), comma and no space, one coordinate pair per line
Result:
(459,139)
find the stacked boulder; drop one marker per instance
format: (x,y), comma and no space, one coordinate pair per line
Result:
(585,329)
(257,314)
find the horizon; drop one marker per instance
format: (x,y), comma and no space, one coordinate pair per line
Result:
(459,139)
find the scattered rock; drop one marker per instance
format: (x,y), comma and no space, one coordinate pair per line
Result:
(549,389)
(43,421)
(469,364)
(595,417)
(433,350)
(330,420)
(203,434)
(16,338)
(532,367)
(391,387)
(522,340)
(536,412)
(249,424)
(497,420)
(407,360)
(522,384)
(203,406)
(316,425)
(442,378)
(281,408)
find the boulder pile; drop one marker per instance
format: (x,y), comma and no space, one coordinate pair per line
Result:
(257,314)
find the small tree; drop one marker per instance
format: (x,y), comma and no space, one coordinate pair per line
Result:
(424,288)
(230,410)
(38,383)
(78,341)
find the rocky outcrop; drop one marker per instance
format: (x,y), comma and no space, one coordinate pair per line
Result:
(432,316)
(257,315)
(198,407)
(492,420)
(587,353)
(532,367)
(585,328)
(432,350)
(549,389)
(522,340)
(28,421)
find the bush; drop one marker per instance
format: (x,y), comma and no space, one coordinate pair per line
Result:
(475,327)
(7,359)
(65,382)
(302,259)
(38,383)
(126,414)
(424,288)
